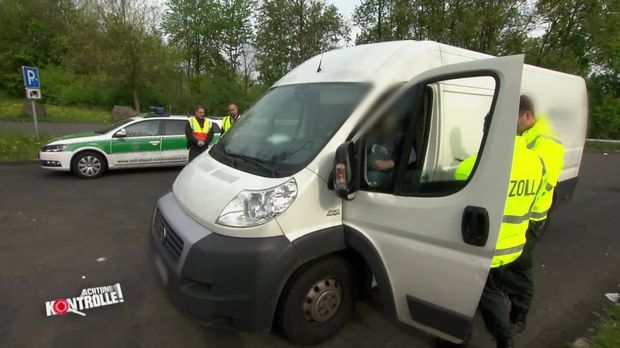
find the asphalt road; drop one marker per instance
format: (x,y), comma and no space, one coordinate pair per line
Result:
(54,227)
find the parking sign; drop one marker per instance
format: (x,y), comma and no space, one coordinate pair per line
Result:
(31,77)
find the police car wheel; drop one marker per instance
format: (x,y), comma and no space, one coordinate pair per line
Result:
(88,164)
(317,301)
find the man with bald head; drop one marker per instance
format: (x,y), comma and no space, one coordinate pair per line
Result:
(231,118)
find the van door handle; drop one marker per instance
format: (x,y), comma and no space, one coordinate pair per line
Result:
(475,225)
(154,142)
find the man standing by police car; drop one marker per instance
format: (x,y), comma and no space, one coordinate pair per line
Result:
(198,133)
(231,118)
(518,279)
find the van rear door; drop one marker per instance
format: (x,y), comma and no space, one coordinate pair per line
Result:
(434,233)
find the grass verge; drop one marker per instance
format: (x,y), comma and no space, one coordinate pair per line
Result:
(602,147)
(11,110)
(608,334)
(16,146)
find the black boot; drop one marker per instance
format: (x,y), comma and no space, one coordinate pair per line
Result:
(504,343)
(518,319)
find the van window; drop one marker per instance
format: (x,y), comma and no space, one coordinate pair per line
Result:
(383,145)
(288,127)
(456,122)
(424,146)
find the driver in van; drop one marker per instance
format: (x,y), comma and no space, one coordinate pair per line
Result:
(382,152)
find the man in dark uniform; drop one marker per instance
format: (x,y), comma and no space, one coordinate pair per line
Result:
(198,133)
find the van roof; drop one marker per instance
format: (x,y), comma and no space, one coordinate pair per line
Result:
(363,63)
(381,63)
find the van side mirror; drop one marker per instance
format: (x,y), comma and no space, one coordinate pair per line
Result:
(343,173)
(121,133)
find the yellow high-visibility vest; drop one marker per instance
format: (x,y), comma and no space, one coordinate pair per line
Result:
(527,176)
(201,133)
(542,140)
(228,122)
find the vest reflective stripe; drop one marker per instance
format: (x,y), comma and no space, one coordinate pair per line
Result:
(512,219)
(508,251)
(201,133)
(537,216)
(543,136)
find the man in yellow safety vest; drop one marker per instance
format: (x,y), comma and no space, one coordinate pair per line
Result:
(540,138)
(198,133)
(231,118)
(527,176)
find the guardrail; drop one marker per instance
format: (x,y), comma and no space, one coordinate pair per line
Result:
(606,141)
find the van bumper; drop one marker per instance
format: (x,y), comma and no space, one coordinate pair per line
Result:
(217,280)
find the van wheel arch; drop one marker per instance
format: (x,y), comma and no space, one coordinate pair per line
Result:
(367,256)
(347,242)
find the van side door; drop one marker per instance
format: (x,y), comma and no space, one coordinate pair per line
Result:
(435,233)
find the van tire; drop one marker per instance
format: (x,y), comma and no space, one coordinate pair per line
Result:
(98,162)
(317,301)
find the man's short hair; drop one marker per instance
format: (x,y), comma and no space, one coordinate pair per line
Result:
(526,104)
(199,107)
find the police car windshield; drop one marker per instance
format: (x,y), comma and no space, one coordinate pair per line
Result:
(113,127)
(288,127)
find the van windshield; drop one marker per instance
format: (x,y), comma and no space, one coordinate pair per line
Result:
(288,127)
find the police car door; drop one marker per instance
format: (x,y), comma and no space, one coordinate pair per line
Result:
(137,145)
(435,234)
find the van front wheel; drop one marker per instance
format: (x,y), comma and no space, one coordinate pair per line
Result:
(317,301)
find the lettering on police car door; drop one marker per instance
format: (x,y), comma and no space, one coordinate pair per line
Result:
(522,188)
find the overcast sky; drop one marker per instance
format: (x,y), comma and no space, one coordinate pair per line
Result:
(346,7)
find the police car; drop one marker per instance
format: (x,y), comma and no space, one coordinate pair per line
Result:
(131,143)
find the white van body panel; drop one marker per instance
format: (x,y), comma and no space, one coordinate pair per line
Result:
(204,188)
(561,97)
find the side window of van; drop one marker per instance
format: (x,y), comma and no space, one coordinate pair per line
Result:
(455,121)
(384,144)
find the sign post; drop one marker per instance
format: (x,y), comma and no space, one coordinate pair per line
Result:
(33,91)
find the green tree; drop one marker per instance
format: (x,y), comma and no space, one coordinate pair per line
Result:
(236,30)
(194,27)
(32,32)
(289,32)
(479,25)
(130,43)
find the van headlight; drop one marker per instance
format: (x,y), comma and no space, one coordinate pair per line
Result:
(253,208)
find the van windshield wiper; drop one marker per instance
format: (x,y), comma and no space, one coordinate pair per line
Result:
(254,161)
(222,151)
(235,159)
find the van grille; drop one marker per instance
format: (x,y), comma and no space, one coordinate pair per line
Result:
(166,235)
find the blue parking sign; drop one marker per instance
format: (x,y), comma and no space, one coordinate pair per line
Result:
(31,77)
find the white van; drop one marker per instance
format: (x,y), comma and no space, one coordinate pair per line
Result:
(344,171)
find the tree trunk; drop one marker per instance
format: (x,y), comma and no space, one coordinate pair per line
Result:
(136,99)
